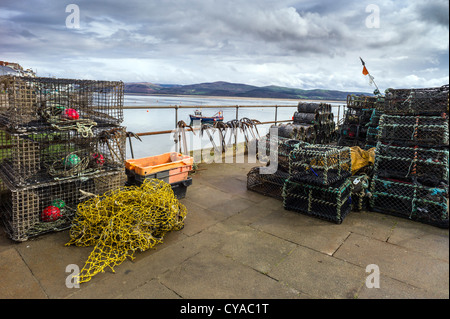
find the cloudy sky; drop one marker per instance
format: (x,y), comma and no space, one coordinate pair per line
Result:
(302,44)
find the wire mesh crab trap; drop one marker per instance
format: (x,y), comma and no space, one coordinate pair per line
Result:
(361,101)
(428,205)
(424,101)
(281,148)
(266,184)
(42,208)
(320,164)
(426,131)
(426,166)
(329,203)
(28,103)
(42,156)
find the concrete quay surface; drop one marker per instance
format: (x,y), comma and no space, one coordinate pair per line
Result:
(237,244)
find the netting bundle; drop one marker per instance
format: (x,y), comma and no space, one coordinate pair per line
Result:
(414,130)
(123,221)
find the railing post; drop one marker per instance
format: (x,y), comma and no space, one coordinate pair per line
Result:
(176,116)
(276,114)
(236,129)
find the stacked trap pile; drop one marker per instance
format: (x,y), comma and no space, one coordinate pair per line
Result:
(272,149)
(60,139)
(318,183)
(353,131)
(372,129)
(411,169)
(312,123)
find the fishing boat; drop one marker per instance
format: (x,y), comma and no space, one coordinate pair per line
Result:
(198,116)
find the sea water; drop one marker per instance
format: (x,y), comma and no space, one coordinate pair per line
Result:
(149,120)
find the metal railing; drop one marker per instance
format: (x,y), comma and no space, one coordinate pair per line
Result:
(237,107)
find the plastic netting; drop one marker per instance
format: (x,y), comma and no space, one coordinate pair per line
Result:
(416,202)
(423,101)
(23,208)
(426,166)
(360,192)
(427,131)
(320,164)
(43,156)
(35,102)
(329,203)
(267,184)
(124,221)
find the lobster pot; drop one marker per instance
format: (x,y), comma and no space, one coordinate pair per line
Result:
(329,203)
(277,149)
(372,130)
(360,189)
(23,211)
(33,103)
(266,184)
(42,156)
(429,167)
(419,203)
(320,164)
(304,107)
(424,101)
(361,102)
(425,131)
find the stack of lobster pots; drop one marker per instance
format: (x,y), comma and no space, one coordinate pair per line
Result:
(354,129)
(313,123)
(61,142)
(411,168)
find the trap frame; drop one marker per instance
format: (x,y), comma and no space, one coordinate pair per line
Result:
(328,203)
(426,166)
(320,164)
(21,212)
(42,156)
(428,205)
(267,184)
(33,103)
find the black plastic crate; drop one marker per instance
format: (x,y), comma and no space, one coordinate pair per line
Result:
(329,203)
(267,184)
(428,205)
(320,164)
(33,103)
(42,156)
(426,166)
(23,209)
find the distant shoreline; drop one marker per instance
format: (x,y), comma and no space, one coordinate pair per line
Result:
(237,98)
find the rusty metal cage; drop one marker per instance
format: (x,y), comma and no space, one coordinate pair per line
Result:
(31,103)
(43,156)
(23,210)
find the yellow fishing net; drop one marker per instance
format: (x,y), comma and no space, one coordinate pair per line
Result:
(122,221)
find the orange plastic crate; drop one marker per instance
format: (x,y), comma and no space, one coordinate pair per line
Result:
(153,164)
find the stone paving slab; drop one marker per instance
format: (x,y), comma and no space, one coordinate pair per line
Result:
(397,262)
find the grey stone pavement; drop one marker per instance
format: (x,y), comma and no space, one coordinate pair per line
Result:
(237,244)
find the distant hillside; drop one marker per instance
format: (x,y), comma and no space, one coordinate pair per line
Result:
(236,90)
